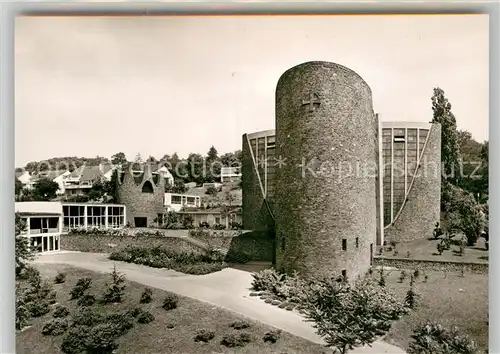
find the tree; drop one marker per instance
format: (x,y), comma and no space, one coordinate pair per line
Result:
(116,290)
(450,149)
(433,338)
(465,214)
(178,187)
(98,192)
(349,316)
(213,165)
(151,160)
(18,187)
(229,159)
(212,154)
(23,252)
(45,189)
(119,159)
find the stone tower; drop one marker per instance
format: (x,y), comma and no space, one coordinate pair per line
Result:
(143,194)
(325,201)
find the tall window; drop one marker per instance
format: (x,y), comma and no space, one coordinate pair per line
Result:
(116,217)
(344,244)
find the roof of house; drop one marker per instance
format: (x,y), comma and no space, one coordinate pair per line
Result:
(50,174)
(39,208)
(91,173)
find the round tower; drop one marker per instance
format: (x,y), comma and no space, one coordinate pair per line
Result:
(143,194)
(326,138)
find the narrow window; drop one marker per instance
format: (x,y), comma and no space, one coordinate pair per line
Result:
(344,244)
(344,275)
(357,242)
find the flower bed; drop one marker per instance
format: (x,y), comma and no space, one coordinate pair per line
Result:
(157,257)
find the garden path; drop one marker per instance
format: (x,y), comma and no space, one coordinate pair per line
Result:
(228,289)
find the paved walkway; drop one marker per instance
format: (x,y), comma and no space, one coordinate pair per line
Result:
(228,288)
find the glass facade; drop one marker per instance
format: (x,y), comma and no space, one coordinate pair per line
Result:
(264,148)
(401,148)
(93,216)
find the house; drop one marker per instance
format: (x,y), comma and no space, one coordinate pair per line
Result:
(52,175)
(47,222)
(230,174)
(83,178)
(215,216)
(176,202)
(43,224)
(24,177)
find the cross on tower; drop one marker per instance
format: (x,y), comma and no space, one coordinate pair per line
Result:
(313,99)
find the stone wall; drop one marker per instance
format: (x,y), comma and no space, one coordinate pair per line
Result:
(421,211)
(333,197)
(256,245)
(108,244)
(432,265)
(140,204)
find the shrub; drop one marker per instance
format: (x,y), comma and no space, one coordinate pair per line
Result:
(272,336)
(38,307)
(233,340)
(433,338)
(86,300)
(145,317)
(60,312)
(366,309)
(275,302)
(121,322)
(101,339)
(241,324)
(82,285)
(267,279)
(135,312)
(170,302)
(186,262)
(22,311)
(74,340)
(32,275)
(440,248)
(290,307)
(86,316)
(416,273)
(60,278)
(116,290)
(55,327)
(411,299)
(204,335)
(381,281)
(402,276)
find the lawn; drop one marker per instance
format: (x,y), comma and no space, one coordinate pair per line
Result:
(451,301)
(171,331)
(426,249)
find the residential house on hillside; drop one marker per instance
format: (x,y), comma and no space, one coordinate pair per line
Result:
(230,174)
(81,180)
(52,175)
(213,216)
(24,177)
(175,202)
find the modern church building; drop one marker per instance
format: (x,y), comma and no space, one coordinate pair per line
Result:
(332,182)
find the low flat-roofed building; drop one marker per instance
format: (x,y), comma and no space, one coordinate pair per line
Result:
(175,202)
(43,224)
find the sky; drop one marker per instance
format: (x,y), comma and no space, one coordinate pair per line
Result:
(95,86)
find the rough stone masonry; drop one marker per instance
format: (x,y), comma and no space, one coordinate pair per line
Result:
(325,199)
